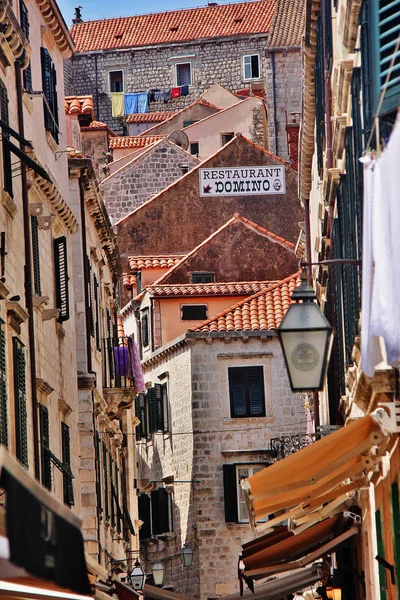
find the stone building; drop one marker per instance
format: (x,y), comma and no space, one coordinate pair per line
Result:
(171,49)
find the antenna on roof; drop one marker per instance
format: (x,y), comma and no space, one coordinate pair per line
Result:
(78,15)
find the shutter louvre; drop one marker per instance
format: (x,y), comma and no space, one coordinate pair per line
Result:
(159,407)
(152,407)
(7,168)
(145,330)
(140,412)
(237,392)
(255,379)
(3,389)
(98,473)
(36,256)
(20,401)
(230,493)
(96,306)
(105,471)
(61,277)
(45,445)
(91,299)
(66,458)
(49,82)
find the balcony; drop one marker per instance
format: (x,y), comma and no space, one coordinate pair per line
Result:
(118,380)
(13,42)
(288,444)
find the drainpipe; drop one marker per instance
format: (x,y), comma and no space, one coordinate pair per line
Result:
(28,274)
(97,88)
(274,101)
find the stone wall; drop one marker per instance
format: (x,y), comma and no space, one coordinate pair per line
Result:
(199,401)
(288,78)
(139,181)
(154,67)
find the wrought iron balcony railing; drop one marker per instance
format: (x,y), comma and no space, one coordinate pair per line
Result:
(288,444)
(117,362)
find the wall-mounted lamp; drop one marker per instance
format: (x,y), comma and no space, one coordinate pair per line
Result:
(158,573)
(186,555)
(137,577)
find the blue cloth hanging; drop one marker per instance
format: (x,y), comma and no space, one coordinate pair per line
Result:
(184,90)
(130,104)
(143,103)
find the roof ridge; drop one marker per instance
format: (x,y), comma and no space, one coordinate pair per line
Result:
(134,158)
(178,112)
(214,283)
(261,229)
(241,102)
(248,299)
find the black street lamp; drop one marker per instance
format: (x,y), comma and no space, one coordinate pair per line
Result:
(158,573)
(306,339)
(186,555)
(137,577)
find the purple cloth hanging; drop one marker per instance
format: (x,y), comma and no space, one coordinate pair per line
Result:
(136,367)
(121,360)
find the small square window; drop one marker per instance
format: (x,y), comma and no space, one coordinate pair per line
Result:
(183,74)
(246,391)
(226,137)
(194,312)
(116,81)
(251,66)
(203,277)
(243,472)
(194,148)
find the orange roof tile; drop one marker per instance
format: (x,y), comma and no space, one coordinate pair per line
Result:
(151,117)
(287,26)
(209,289)
(262,311)
(128,281)
(134,141)
(215,21)
(137,263)
(78,105)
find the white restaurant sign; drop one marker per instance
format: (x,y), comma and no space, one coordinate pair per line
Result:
(243,181)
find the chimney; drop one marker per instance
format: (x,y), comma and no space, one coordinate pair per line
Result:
(78,16)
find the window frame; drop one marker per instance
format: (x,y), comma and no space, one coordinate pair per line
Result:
(192,305)
(227,133)
(248,414)
(178,64)
(239,497)
(252,78)
(202,275)
(198,148)
(109,81)
(145,315)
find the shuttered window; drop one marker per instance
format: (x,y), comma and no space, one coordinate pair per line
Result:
(91,313)
(45,446)
(7,169)
(3,388)
(385,21)
(246,391)
(160,511)
(140,413)
(234,502)
(152,409)
(36,256)
(144,510)
(20,401)
(319,95)
(66,459)
(50,101)
(61,277)
(383,583)
(112,499)
(105,475)
(145,330)
(96,307)
(24,20)
(98,473)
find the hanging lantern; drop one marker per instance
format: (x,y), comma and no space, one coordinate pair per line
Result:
(137,577)
(158,573)
(186,555)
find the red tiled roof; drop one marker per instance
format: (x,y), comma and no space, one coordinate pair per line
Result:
(128,281)
(287,26)
(209,289)
(262,311)
(151,117)
(229,20)
(78,105)
(137,263)
(134,141)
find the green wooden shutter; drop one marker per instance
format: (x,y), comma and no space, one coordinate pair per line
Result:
(319,95)
(110,346)
(386,30)
(61,277)
(152,408)
(230,493)
(237,391)
(159,407)
(145,330)
(49,82)
(98,473)
(24,18)
(90,299)
(96,306)
(55,103)
(255,387)
(120,516)
(112,499)
(366,68)
(396,525)
(381,552)
(140,412)
(66,459)
(20,401)
(7,168)
(36,256)
(145,516)
(3,388)
(105,473)
(45,445)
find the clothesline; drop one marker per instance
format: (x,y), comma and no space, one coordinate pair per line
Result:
(126,103)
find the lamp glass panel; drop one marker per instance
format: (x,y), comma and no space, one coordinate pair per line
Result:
(158,573)
(305,353)
(305,315)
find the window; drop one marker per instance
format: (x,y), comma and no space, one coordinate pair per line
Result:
(226,137)
(203,277)
(156,512)
(50,100)
(61,277)
(24,20)
(5,137)
(246,391)
(68,489)
(145,329)
(90,292)
(36,256)
(138,282)
(235,506)
(116,81)
(96,307)
(45,446)
(3,388)
(251,66)
(152,410)
(188,123)
(183,74)
(21,416)
(194,148)
(194,312)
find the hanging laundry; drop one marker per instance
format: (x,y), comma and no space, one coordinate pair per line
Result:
(152,95)
(159,95)
(121,361)
(167,96)
(176,92)
(117,104)
(184,90)
(143,103)
(136,367)
(130,104)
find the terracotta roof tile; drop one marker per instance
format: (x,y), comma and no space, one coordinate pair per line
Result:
(134,141)
(228,20)
(287,25)
(262,311)
(78,105)
(151,117)
(209,289)
(128,281)
(138,263)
